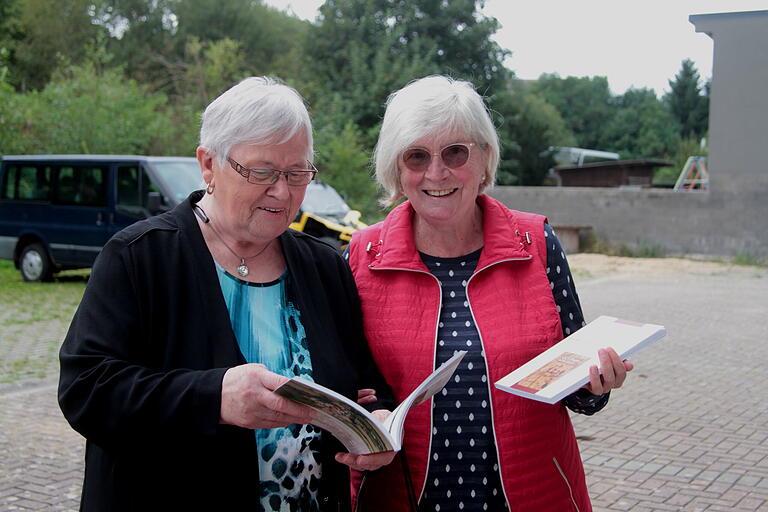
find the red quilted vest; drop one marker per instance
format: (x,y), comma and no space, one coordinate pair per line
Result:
(511,300)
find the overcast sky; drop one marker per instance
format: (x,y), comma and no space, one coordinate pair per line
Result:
(634,44)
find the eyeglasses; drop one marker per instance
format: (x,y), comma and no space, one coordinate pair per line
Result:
(453,156)
(267,176)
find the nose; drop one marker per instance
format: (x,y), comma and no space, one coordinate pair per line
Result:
(436,169)
(279,189)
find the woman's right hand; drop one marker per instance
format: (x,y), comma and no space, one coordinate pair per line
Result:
(248,400)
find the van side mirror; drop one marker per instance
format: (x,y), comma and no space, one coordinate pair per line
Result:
(154,202)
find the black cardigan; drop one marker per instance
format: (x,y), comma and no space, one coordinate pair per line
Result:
(145,355)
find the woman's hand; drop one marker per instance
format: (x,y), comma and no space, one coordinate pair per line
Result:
(373,460)
(247,399)
(368,462)
(613,369)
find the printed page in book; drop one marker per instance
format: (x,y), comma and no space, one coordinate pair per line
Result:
(357,429)
(350,423)
(564,368)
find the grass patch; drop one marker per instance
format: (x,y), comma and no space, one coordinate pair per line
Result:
(643,249)
(749,259)
(30,312)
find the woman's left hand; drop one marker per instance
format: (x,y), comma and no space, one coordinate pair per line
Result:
(367,462)
(371,461)
(613,372)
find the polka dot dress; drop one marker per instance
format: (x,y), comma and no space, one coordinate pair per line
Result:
(463,468)
(463,471)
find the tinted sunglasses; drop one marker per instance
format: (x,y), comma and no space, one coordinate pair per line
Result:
(453,156)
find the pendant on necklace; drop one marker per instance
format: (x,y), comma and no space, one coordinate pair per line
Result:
(243,268)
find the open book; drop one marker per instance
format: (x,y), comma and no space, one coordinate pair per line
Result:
(357,429)
(564,368)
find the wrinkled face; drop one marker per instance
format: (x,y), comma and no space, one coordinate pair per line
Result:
(441,192)
(256,213)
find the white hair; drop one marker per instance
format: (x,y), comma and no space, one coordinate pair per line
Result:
(258,111)
(433,105)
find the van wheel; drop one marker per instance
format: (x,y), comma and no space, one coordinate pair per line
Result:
(35,265)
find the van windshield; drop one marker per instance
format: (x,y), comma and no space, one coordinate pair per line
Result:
(322,199)
(180,177)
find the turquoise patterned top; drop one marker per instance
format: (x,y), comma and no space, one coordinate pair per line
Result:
(269,331)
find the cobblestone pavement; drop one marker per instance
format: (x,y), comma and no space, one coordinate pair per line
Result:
(688,432)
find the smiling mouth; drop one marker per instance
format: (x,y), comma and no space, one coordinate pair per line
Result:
(271,210)
(440,193)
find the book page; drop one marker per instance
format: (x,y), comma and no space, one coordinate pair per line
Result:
(431,385)
(356,428)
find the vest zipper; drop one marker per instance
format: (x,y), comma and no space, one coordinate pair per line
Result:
(434,358)
(488,370)
(567,483)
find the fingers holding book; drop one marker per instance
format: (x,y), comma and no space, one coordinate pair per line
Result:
(612,373)
(368,462)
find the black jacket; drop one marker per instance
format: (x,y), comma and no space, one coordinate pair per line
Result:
(144,358)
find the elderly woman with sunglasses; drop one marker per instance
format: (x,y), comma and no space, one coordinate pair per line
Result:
(191,319)
(452,269)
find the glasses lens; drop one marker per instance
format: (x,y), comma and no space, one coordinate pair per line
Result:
(299,178)
(262,177)
(455,155)
(417,159)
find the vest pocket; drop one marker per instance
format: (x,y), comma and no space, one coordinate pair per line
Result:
(567,483)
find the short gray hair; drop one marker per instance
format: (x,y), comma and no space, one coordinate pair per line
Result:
(257,111)
(433,105)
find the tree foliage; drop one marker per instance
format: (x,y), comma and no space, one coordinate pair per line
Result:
(585,103)
(528,126)
(40,46)
(83,111)
(688,101)
(641,127)
(132,76)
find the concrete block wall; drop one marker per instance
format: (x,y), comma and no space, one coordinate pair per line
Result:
(715,223)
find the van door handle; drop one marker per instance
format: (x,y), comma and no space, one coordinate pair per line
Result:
(99,219)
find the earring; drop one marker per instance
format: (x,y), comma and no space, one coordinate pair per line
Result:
(210,188)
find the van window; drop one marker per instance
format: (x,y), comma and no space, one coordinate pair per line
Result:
(133,185)
(128,186)
(27,183)
(82,185)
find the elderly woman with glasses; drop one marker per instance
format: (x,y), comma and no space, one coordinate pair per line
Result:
(191,319)
(452,269)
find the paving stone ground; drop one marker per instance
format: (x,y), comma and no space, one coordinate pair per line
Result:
(688,432)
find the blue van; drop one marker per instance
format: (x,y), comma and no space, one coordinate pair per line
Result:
(57,211)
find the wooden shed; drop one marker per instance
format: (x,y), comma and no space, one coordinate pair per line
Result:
(611,173)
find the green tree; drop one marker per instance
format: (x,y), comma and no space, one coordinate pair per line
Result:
(585,103)
(688,101)
(345,165)
(641,126)
(528,126)
(84,111)
(142,38)
(265,35)
(210,69)
(41,47)
(363,50)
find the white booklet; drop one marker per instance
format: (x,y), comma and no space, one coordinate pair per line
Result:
(357,429)
(564,368)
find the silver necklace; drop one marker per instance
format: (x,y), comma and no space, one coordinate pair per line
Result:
(242,269)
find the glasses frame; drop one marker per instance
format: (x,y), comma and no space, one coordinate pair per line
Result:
(246,172)
(468,145)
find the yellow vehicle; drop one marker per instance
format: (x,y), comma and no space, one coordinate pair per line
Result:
(325,215)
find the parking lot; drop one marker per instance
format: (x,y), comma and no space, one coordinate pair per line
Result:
(688,432)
